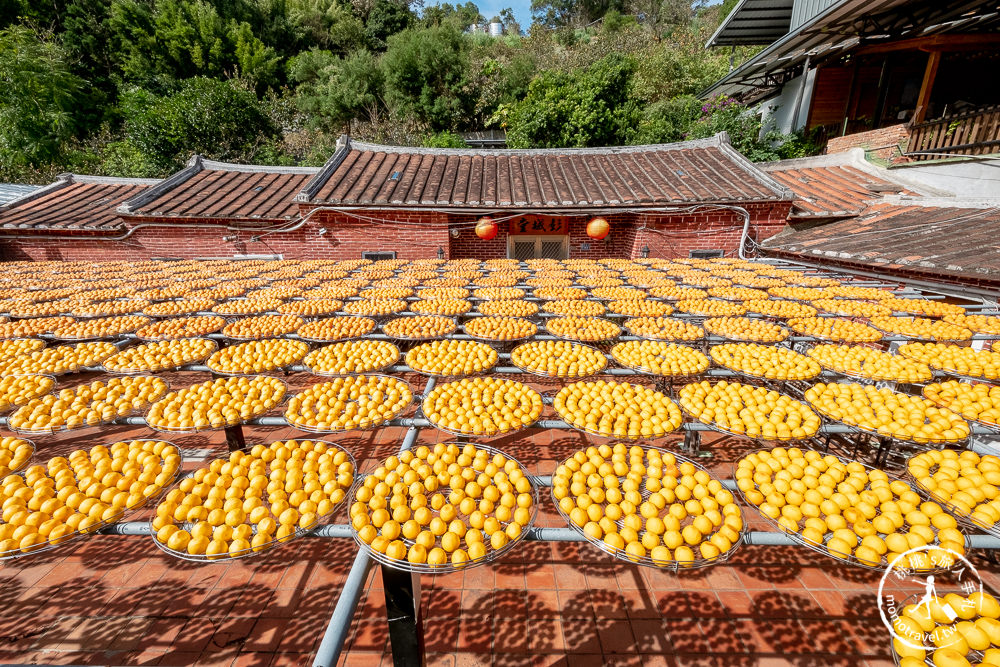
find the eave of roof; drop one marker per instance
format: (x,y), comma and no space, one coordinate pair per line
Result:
(934,240)
(362,175)
(754,22)
(838,185)
(209,190)
(13,191)
(843,26)
(73,202)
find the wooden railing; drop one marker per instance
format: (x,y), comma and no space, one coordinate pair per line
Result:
(973,133)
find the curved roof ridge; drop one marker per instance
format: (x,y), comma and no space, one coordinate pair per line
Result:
(110,180)
(255,168)
(709,142)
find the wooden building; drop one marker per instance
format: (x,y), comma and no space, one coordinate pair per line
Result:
(916,74)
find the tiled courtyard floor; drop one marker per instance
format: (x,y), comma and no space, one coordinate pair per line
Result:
(120,600)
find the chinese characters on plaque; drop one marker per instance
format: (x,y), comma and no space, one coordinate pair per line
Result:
(539,224)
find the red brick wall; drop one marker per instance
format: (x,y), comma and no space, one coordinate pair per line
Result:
(414,235)
(346,238)
(666,236)
(617,244)
(884,141)
(675,236)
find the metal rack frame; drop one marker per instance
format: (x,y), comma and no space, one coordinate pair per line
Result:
(402,588)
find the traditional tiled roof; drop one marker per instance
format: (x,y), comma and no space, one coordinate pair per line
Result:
(701,171)
(11,191)
(830,191)
(222,191)
(73,202)
(840,185)
(938,240)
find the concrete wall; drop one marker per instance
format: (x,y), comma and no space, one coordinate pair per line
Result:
(782,107)
(970,177)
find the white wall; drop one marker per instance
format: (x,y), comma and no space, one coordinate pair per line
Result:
(782,106)
(968,178)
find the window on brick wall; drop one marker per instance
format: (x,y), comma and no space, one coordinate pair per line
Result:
(380,255)
(544,246)
(705,254)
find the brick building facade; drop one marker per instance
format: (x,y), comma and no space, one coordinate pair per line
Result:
(665,200)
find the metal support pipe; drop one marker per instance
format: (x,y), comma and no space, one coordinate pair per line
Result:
(335,635)
(541,534)
(333,530)
(421,422)
(758,538)
(127,528)
(984,448)
(337,629)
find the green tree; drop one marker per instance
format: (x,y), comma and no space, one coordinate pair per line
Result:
(328,24)
(47,17)
(724,114)
(386,18)
(614,21)
(332,91)
(444,139)
(556,14)
(501,81)
(666,121)
(255,61)
(38,98)
(86,36)
(679,67)
(159,41)
(219,119)
(425,76)
(659,14)
(511,26)
(462,15)
(592,107)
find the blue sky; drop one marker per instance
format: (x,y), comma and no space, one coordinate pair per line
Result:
(491,8)
(522,8)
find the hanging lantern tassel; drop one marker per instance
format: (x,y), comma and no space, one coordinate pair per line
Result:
(598,228)
(486,228)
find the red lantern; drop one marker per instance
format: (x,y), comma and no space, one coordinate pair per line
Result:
(598,228)
(486,229)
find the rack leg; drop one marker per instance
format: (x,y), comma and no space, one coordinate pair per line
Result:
(857,444)
(402,608)
(692,442)
(234,438)
(882,455)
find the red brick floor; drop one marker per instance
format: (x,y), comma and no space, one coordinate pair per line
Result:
(119,600)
